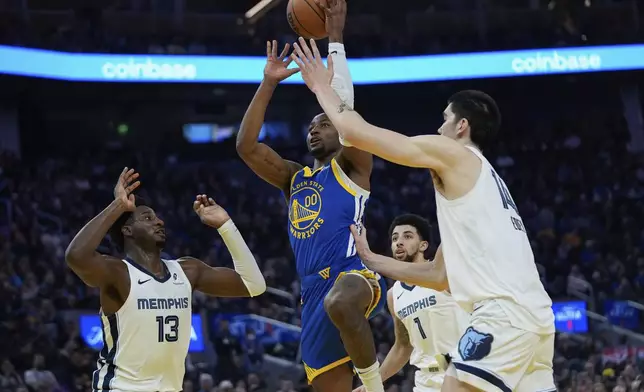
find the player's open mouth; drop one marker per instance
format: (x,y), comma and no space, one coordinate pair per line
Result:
(315,141)
(160,232)
(400,252)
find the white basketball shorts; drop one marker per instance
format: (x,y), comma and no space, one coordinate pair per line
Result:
(493,355)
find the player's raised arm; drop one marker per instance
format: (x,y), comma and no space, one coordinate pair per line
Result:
(262,159)
(246,280)
(93,268)
(336,13)
(431,275)
(434,152)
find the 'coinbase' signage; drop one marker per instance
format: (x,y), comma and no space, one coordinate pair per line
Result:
(240,69)
(570,316)
(92,333)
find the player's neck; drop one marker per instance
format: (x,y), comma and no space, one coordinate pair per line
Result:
(149,259)
(323,161)
(420,259)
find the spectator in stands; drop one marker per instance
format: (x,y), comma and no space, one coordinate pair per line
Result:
(39,378)
(206,383)
(10,380)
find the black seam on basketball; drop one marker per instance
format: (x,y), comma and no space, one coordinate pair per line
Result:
(299,23)
(322,18)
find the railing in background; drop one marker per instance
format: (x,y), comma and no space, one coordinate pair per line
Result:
(286,301)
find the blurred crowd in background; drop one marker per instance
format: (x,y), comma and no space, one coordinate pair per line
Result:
(416,27)
(578,188)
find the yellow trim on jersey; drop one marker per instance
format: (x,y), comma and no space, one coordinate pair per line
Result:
(338,177)
(373,280)
(312,373)
(307,173)
(295,175)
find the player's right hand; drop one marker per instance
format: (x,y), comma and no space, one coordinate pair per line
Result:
(361,388)
(126,184)
(276,68)
(362,245)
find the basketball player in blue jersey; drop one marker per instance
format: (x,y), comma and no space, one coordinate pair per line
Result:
(146,301)
(489,264)
(338,293)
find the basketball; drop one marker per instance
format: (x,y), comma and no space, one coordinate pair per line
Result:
(306,18)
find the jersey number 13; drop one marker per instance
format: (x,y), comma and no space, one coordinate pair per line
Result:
(168,328)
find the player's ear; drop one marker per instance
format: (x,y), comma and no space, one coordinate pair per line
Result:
(126,230)
(462,126)
(423,246)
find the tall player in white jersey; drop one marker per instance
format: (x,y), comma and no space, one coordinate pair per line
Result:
(146,301)
(427,322)
(509,343)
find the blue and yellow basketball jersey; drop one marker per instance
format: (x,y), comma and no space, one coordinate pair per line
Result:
(322,206)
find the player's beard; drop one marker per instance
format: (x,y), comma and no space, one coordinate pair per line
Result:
(160,244)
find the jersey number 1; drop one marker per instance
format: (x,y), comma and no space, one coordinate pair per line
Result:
(172,323)
(420,328)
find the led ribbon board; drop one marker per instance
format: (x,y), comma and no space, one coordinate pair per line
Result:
(239,69)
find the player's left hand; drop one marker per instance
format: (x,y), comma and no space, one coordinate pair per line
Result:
(362,245)
(336,16)
(210,213)
(309,60)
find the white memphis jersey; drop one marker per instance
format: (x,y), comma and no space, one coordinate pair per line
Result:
(488,255)
(146,342)
(434,322)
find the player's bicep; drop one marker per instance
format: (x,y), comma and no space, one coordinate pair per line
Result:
(220,282)
(388,145)
(270,166)
(95,271)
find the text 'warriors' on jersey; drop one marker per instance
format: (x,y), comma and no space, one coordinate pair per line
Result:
(146,342)
(322,206)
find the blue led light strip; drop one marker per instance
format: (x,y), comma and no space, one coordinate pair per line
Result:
(239,69)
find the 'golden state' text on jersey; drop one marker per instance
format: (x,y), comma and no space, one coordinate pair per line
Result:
(146,341)
(322,206)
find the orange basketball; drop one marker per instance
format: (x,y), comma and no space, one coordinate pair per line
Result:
(306,18)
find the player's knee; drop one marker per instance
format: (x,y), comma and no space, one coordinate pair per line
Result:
(338,306)
(347,300)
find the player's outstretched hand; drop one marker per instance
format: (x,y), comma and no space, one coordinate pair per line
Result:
(361,388)
(276,68)
(314,73)
(210,213)
(336,16)
(126,184)
(362,246)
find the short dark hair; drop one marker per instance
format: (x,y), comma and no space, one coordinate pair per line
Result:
(115,232)
(482,113)
(421,225)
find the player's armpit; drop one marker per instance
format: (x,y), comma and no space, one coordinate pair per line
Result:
(215,281)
